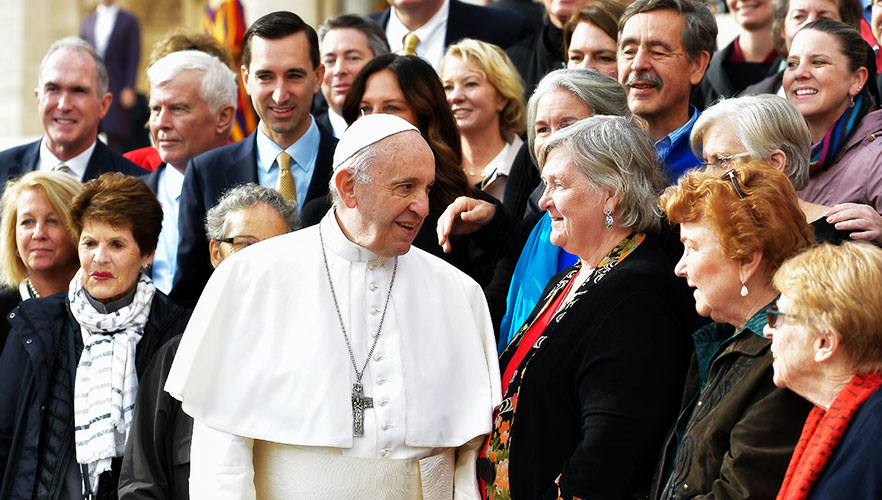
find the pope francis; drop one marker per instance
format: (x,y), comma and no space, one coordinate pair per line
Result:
(337,361)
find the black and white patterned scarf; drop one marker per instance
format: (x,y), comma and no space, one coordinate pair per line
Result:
(106,381)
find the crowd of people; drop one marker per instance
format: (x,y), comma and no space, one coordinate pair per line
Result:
(468,253)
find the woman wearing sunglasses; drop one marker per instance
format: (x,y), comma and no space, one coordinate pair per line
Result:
(826,336)
(736,430)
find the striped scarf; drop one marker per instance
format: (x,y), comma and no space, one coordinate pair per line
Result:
(106,381)
(825,151)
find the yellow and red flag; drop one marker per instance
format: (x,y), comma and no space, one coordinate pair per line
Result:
(225,21)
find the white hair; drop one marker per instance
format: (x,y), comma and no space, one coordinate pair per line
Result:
(219,85)
(357,165)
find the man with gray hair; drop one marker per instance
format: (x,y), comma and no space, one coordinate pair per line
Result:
(71,98)
(156,463)
(337,361)
(192,109)
(767,127)
(663,50)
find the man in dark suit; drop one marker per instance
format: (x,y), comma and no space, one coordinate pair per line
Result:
(71,97)
(116,36)
(281,71)
(424,18)
(193,104)
(347,43)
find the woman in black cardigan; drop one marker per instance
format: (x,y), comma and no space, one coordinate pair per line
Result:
(592,380)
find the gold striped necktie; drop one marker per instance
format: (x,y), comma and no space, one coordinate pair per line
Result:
(61,167)
(410,44)
(286,185)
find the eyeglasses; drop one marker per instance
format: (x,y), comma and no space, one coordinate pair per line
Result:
(239,242)
(775,316)
(723,161)
(731,176)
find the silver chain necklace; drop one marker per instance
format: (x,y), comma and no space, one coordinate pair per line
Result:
(360,402)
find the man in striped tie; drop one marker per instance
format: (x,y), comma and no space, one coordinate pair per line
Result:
(71,98)
(281,71)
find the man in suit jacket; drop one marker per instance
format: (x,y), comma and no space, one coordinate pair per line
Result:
(116,35)
(426,19)
(281,71)
(71,97)
(193,104)
(347,43)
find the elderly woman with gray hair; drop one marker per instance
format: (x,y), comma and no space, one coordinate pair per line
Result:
(767,127)
(592,379)
(156,463)
(562,98)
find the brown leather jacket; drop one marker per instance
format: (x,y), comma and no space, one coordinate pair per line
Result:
(736,430)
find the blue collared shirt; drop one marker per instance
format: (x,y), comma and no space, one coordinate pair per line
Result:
(664,145)
(303,154)
(171,181)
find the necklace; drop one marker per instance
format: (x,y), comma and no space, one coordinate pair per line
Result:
(31,288)
(360,402)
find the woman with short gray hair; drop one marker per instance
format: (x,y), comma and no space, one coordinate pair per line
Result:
(597,93)
(580,418)
(562,98)
(768,127)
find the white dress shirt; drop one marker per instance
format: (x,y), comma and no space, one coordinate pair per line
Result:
(338,123)
(431,35)
(77,165)
(105,20)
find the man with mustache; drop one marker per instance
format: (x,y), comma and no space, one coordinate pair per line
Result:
(281,71)
(663,50)
(192,107)
(319,365)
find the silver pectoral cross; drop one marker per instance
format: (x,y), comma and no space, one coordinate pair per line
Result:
(360,403)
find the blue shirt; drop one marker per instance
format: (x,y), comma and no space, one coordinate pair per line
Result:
(664,145)
(673,151)
(303,154)
(171,180)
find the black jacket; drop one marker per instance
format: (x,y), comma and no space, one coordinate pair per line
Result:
(596,401)
(536,55)
(500,27)
(729,79)
(20,160)
(41,329)
(10,298)
(157,459)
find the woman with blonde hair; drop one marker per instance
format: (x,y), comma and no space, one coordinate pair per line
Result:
(826,336)
(38,256)
(485,94)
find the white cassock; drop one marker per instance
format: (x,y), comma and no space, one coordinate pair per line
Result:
(265,371)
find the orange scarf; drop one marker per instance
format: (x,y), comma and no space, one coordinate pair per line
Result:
(821,434)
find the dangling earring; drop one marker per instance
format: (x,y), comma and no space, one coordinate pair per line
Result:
(744,291)
(608,222)
(851,104)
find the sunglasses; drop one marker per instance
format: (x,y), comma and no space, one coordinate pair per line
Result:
(775,316)
(731,176)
